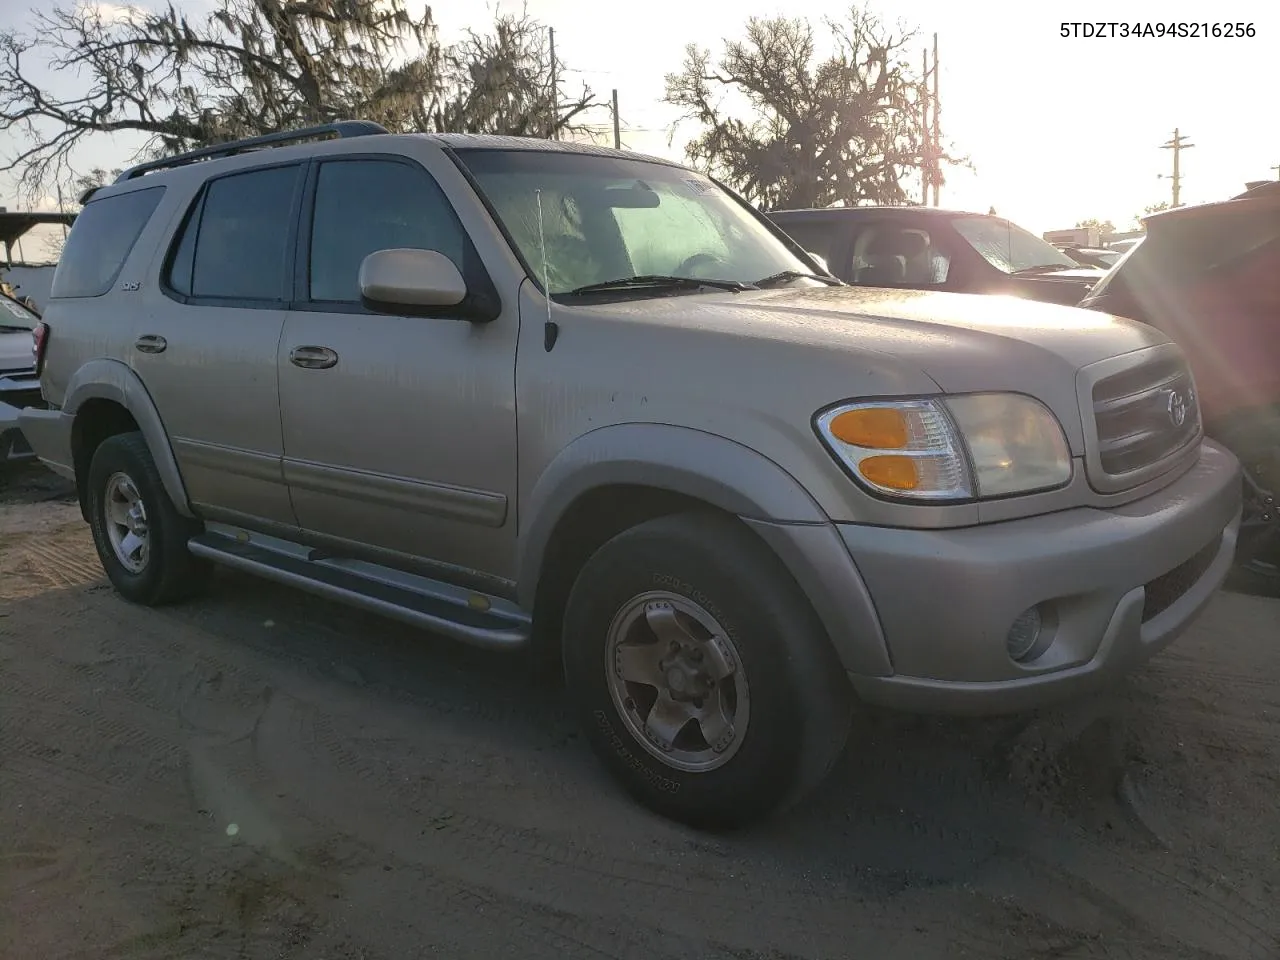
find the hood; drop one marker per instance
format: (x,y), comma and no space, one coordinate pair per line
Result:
(1081,274)
(1066,287)
(941,333)
(964,343)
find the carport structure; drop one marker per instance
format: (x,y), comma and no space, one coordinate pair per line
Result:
(16,224)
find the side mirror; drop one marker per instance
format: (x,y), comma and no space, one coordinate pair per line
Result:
(406,278)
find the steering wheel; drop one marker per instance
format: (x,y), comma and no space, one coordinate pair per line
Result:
(690,263)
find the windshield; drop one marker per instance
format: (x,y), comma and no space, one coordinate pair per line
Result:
(1008,247)
(608,218)
(14,314)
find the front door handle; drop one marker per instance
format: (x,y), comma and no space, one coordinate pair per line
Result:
(151,343)
(313,358)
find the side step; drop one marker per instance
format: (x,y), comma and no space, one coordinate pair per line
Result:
(459,614)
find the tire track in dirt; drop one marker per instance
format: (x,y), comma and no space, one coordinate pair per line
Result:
(447,835)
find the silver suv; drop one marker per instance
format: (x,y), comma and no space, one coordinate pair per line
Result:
(537,395)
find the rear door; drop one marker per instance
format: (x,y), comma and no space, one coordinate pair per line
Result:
(207,350)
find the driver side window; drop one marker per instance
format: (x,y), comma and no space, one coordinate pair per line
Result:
(366,205)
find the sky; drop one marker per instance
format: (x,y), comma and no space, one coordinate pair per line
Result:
(1059,129)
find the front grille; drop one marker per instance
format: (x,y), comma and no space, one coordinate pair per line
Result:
(1145,415)
(1164,591)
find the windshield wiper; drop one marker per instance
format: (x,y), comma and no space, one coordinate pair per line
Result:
(660,280)
(785,275)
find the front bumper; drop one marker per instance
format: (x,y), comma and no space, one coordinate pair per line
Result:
(1116,586)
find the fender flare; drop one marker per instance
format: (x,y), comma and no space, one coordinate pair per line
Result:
(734,478)
(707,467)
(104,379)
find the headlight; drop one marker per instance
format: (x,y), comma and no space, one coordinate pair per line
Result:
(980,445)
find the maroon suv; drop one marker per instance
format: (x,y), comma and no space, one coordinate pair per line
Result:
(1209,277)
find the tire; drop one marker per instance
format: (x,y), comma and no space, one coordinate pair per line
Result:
(163,570)
(1256,443)
(691,576)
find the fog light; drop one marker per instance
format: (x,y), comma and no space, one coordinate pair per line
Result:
(1024,634)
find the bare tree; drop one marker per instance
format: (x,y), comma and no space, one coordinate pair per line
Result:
(1104,227)
(257,66)
(500,82)
(249,67)
(1148,210)
(839,130)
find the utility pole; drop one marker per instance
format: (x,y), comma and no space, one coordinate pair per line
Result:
(62,209)
(554,133)
(937,130)
(617,130)
(1276,168)
(1177,146)
(924,129)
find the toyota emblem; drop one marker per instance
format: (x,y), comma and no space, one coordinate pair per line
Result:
(1177,408)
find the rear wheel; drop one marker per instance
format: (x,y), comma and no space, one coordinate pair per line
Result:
(700,673)
(140,536)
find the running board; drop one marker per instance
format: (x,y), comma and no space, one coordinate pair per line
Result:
(464,615)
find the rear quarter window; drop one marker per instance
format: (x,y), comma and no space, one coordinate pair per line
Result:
(101,240)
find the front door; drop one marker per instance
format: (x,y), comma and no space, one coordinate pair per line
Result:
(399,431)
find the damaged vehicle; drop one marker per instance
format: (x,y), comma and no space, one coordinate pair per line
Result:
(1208,276)
(589,406)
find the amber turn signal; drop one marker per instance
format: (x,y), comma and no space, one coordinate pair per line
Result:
(891,471)
(876,428)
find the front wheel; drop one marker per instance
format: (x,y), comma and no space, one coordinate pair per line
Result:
(700,673)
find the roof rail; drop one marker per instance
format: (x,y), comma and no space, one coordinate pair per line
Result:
(328,131)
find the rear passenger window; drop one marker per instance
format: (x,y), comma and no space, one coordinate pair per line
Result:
(234,244)
(101,240)
(363,206)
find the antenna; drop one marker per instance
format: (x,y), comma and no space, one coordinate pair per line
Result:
(550,332)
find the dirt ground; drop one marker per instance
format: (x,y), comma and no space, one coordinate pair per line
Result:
(260,774)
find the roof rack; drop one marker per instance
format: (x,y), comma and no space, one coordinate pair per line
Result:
(328,131)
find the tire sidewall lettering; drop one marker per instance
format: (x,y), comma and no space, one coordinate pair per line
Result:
(619,747)
(669,581)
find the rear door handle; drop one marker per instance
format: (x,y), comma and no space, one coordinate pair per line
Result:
(313,358)
(151,343)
